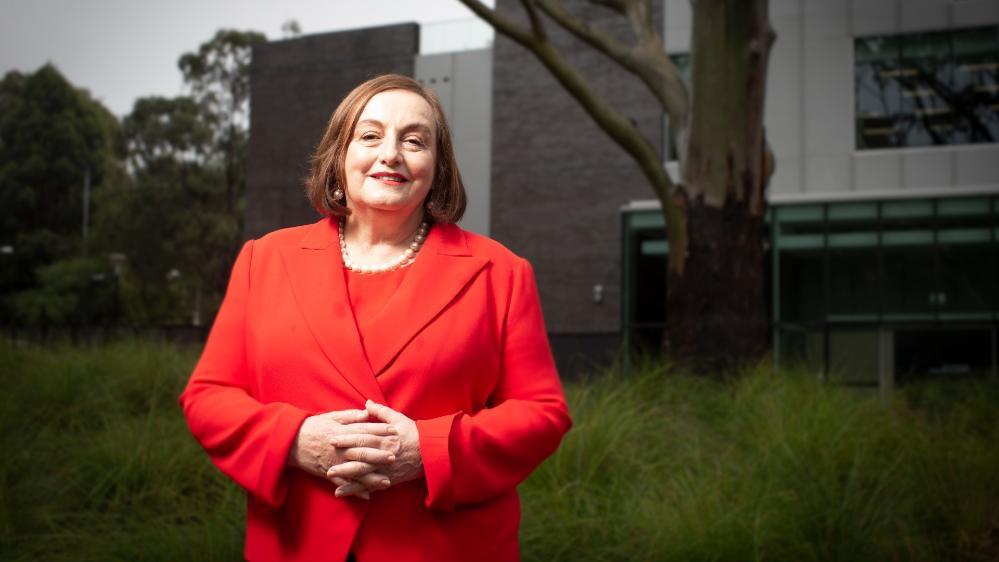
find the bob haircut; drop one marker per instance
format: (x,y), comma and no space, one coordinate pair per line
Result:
(445,203)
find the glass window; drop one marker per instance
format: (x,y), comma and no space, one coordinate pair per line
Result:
(926,89)
(925,78)
(854,356)
(878,92)
(682,63)
(646,254)
(976,69)
(801,294)
(943,353)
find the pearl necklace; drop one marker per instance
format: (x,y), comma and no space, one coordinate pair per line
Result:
(403,260)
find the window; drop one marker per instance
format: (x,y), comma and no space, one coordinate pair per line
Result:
(892,286)
(925,89)
(682,62)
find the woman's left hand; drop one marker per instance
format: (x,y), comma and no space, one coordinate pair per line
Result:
(408,463)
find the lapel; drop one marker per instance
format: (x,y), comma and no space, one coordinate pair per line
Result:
(315,273)
(443,268)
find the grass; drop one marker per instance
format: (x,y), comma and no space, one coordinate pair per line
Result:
(98,465)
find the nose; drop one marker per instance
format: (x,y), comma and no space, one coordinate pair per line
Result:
(390,152)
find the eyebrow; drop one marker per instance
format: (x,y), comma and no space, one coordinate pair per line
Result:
(411,127)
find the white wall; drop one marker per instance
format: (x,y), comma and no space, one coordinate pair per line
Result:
(463,82)
(810,101)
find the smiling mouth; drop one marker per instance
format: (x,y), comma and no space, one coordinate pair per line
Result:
(390,177)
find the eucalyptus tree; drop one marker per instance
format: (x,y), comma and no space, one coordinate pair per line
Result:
(714,209)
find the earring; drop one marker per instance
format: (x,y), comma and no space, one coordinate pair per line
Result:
(337,194)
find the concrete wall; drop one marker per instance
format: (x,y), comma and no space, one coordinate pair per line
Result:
(810,101)
(464,83)
(294,87)
(558,181)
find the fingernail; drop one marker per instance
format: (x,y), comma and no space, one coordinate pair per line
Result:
(385,483)
(338,493)
(334,442)
(391,458)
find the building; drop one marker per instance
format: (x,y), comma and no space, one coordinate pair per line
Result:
(884,208)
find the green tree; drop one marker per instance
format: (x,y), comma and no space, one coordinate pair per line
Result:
(52,136)
(715,210)
(179,217)
(170,218)
(218,75)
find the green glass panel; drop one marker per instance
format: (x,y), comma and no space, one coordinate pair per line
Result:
(853,282)
(852,318)
(963,236)
(964,316)
(801,286)
(906,209)
(876,50)
(967,277)
(958,207)
(976,42)
(646,220)
(655,248)
(919,47)
(800,241)
(853,240)
(907,238)
(799,213)
(909,283)
(853,211)
(907,317)
(682,63)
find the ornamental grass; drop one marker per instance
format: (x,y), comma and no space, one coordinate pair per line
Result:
(97,464)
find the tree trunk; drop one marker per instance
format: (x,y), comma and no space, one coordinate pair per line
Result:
(716,311)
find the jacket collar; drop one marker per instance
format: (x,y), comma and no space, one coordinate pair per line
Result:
(315,271)
(446,239)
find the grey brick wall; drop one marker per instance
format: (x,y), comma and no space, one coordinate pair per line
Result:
(558,181)
(294,87)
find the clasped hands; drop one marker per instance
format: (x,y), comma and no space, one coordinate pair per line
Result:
(360,451)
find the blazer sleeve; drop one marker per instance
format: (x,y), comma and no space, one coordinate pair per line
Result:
(473,457)
(246,439)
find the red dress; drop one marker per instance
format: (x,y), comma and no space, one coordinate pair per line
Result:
(459,346)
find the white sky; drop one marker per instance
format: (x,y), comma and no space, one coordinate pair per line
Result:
(124,49)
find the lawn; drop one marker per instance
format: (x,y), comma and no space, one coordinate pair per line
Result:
(97,464)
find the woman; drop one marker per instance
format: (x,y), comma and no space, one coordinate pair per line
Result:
(380,381)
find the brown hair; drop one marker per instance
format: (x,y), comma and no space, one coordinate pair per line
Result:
(446,200)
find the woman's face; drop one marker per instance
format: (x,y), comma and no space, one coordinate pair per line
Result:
(389,165)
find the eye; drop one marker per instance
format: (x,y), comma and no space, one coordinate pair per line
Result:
(368,136)
(415,142)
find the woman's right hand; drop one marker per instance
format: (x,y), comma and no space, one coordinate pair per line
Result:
(314,451)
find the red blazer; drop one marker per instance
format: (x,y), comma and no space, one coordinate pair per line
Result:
(460,347)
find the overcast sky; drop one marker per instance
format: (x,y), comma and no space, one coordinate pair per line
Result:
(124,49)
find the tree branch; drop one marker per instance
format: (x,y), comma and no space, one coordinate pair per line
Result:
(647,60)
(537,26)
(618,128)
(500,23)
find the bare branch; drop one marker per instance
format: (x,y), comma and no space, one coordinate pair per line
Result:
(647,60)
(616,5)
(537,26)
(501,24)
(619,128)
(592,36)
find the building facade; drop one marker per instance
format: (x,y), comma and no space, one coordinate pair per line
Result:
(884,209)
